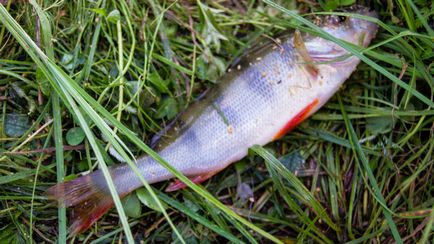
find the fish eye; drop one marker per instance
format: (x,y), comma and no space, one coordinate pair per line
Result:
(342,18)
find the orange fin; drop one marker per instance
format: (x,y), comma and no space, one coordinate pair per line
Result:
(297,119)
(89,201)
(302,50)
(197,179)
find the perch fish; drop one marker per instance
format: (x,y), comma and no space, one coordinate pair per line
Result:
(268,93)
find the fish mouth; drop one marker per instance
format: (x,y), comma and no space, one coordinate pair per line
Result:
(356,24)
(365,29)
(365,11)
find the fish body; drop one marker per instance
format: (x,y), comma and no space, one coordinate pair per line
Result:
(257,101)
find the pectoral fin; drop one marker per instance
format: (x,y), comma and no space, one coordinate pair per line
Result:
(304,54)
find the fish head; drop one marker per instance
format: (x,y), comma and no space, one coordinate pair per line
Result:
(352,28)
(332,63)
(364,30)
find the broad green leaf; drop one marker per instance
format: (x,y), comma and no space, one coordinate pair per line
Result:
(83,165)
(331,5)
(168,108)
(191,205)
(16,125)
(100,11)
(68,61)
(43,82)
(293,161)
(346,2)
(146,198)
(379,125)
(132,206)
(209,29)
(209,67)
(158,82)
(23,94)
(114,16)
(75,136)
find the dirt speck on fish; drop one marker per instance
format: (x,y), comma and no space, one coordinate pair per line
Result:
(253,104)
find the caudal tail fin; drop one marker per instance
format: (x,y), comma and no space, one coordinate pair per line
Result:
(89,197)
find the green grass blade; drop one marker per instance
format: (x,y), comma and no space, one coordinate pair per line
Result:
(60,239)
(161,58)
(103,167)
(43,62)
(427,232)
(90,57)
(421,18)
(60,171)
(198,218)
(305,195)
(366,168)
(59,80)
(47,37)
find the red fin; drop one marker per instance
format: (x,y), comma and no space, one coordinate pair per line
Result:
(88,212)
(90,202)
(178,185)
(297,119)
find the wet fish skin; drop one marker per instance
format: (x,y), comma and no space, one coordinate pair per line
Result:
(256,102)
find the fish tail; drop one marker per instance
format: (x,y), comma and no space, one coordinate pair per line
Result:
(88,195)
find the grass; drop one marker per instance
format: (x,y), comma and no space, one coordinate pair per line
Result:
(360,170)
